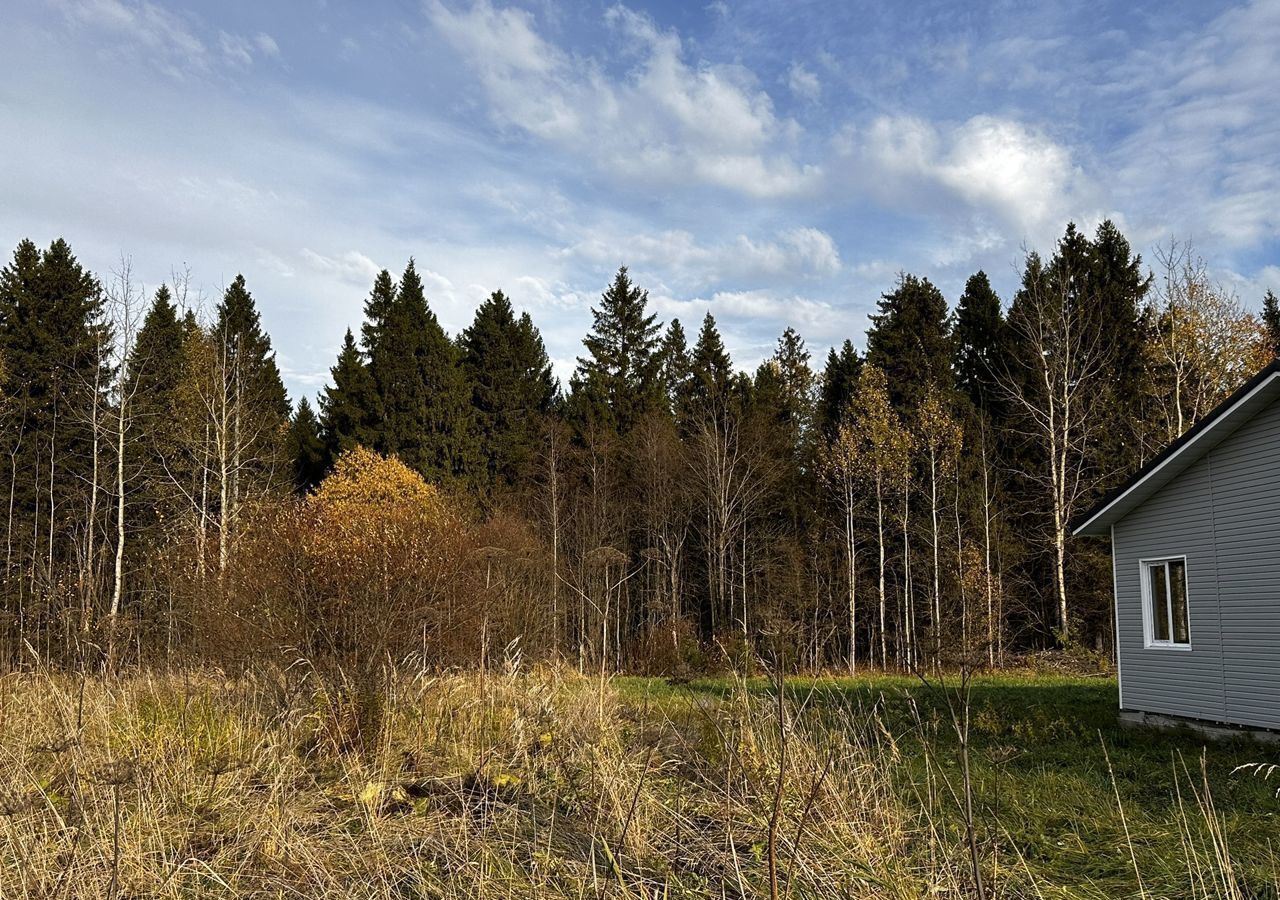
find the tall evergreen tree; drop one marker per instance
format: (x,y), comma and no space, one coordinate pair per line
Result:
(791,359)
(305,448)
(1117,288)
(377,308)
(1271,323)
(711,370)
(910,340)
(154,374)
(250,412)
(154,367)
(617,382)
(785,404)
(512,388)
(349,405)
(426,404)
(55,348)
(979,337)
(838,386)
(249,360)
(783,391)
(675,364)
(1114,289)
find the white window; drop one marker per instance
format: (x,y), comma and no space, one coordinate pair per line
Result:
(1166,619)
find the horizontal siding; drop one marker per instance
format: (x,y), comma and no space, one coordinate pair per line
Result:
(1246,493)
(1175,521)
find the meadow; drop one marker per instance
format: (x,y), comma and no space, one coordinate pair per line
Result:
(549,784)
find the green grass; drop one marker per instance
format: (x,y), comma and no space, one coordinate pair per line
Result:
(1053,771)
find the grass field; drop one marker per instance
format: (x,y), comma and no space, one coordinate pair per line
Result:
(551,785)
(1059,781)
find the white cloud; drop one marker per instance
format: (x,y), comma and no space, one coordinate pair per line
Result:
(1018,171)
(435,284)
(993,166)
(236,49)
(266,44)
(1202,109)
(791,309)
(1250,289)
(668,120)
(352,266)
(794,253)
(798,251)
(750,320)
(169,40)
(664,121)
(240,50)
(804,84)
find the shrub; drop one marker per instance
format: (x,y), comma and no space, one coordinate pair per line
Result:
(369,569)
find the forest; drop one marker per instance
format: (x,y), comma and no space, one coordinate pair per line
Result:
(901,504)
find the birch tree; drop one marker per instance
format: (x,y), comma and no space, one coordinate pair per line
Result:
(1050,380)
(842,469)
(939,438)
(883,470)
(125,309)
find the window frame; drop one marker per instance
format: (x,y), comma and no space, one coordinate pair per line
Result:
(1149,640)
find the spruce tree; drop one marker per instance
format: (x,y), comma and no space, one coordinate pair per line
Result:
(1117,288)
(711,370)
(979,336)
(349,405)
(190,324)
(512,388)
(1075,357)
(982,373)
(426,405)
(1103,285)
(305,448)
(154,367)
(617,382)
(55,348)
(838,386)
(252,414)
(154,374)
(785,407)
(791,359)
(376,310)
(1271,324)
(910,341)
(675,365)
(249,360)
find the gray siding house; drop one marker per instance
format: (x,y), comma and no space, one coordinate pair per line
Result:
(1195,547)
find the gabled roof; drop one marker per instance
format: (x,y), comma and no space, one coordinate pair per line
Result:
(1173,460)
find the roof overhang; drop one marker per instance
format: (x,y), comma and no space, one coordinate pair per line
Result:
(1258,393)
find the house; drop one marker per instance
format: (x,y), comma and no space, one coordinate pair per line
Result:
(1195,547)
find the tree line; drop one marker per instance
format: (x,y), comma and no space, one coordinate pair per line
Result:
(665,510)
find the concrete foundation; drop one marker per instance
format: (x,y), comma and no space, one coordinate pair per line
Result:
(1135,718)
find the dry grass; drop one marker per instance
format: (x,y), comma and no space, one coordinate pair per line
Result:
(537,785)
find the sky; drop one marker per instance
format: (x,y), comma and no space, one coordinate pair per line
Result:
(771,163)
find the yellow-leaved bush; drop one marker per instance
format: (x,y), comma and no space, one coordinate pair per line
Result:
(369,509)
(370,568)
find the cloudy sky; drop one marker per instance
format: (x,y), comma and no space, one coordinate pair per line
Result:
(774,163)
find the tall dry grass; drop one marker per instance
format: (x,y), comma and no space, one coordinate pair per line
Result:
(471,786)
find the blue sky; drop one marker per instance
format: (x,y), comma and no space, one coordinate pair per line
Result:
(774,163)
